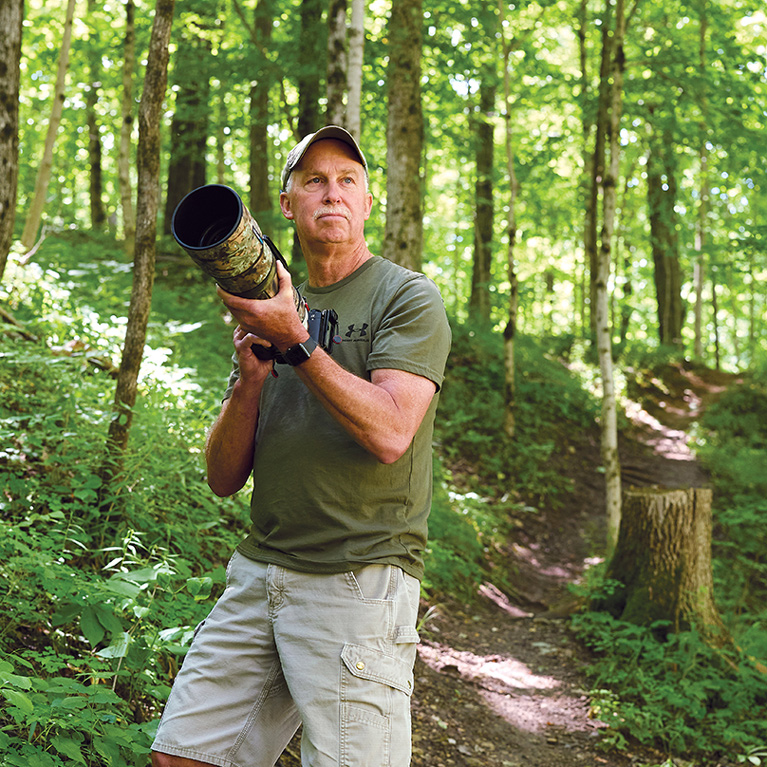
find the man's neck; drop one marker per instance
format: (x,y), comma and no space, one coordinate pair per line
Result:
(331,264)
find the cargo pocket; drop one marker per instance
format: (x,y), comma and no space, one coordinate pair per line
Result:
(375,690)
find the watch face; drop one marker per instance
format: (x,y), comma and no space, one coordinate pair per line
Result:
(299,353)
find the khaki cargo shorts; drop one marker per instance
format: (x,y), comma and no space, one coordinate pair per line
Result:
(279,648)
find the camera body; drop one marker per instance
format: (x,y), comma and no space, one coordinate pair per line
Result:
(215,228)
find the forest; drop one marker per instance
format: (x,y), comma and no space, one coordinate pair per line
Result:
(584,180)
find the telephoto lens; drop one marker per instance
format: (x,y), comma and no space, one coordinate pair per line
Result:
(216,229)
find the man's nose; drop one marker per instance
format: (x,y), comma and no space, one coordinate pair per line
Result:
(333,192)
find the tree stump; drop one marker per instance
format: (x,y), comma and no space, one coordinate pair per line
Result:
(662,562)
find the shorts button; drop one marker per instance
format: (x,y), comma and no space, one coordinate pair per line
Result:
(360,665)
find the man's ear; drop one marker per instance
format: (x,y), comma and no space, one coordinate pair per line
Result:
(285,206)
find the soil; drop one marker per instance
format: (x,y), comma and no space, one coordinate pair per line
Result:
(500,682)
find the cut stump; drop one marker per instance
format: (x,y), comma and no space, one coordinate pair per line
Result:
(661,567)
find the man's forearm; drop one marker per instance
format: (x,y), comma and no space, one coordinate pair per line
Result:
(382,415)
(231,441)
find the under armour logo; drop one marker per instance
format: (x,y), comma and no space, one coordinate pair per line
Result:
(361,332)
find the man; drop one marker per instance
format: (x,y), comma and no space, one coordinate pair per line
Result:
(317,622)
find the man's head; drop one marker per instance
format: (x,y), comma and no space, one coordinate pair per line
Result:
(326,190)
(297,153)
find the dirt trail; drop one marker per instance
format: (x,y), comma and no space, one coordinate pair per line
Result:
(500,682)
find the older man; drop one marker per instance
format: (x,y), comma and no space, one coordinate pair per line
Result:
(317,622)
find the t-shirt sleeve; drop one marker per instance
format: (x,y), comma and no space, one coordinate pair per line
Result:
(413,334)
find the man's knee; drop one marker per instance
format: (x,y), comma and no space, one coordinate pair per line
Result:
(167,760)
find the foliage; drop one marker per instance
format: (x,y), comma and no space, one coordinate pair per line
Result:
(681,693)
(550,403)
(733,445)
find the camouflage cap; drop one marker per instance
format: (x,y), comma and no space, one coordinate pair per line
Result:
(329,131)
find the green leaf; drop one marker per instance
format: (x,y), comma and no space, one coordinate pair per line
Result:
(118,647)
(68,748)
(66,613)
(92,630)
(200,588)
(20,700)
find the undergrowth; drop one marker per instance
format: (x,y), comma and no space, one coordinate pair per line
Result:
(682,694)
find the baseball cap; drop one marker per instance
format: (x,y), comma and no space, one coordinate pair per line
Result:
(329,131)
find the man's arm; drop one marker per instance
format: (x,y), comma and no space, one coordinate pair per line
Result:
(382,415)
(232,438)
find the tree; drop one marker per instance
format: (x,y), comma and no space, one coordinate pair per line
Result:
(354,73)
(664,236)
(11,18)
(403,238)
(260,200)
(609,421)
(148,205)
(510,331)
(479,300)
(35,215)
(126,130)
(96,186)
(337,63)
(187,167)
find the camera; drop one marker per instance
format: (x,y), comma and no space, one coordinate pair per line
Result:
(213,225)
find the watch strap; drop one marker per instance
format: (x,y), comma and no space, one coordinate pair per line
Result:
(299,353)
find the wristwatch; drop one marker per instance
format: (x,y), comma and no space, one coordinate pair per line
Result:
(299,353)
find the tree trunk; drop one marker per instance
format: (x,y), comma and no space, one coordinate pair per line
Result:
(336,70)
(699,273)
(403,236)
(150,114)
(260,199)
(663,561)
(96,185)
(126,131)
(11,18)
(597,166)
(354,74)
(35,214)
(664,238)
(609,420)
(479,301)
(191,119)
(510,331)
(310,54)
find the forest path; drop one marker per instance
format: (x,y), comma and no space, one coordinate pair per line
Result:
(501,682)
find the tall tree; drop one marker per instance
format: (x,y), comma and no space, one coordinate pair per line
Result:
(403,237)
(699,274)
(337,63)
(148,205)
(11,18)
(35,214)
(260,199)
(354,73)
(126,130)
(510,331)
(96,185)
(664,235)
(609,421)
(187,167)
(479,300)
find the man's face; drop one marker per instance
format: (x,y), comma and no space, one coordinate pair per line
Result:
(327,197)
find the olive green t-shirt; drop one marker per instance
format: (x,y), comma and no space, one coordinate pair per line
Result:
(321,503)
